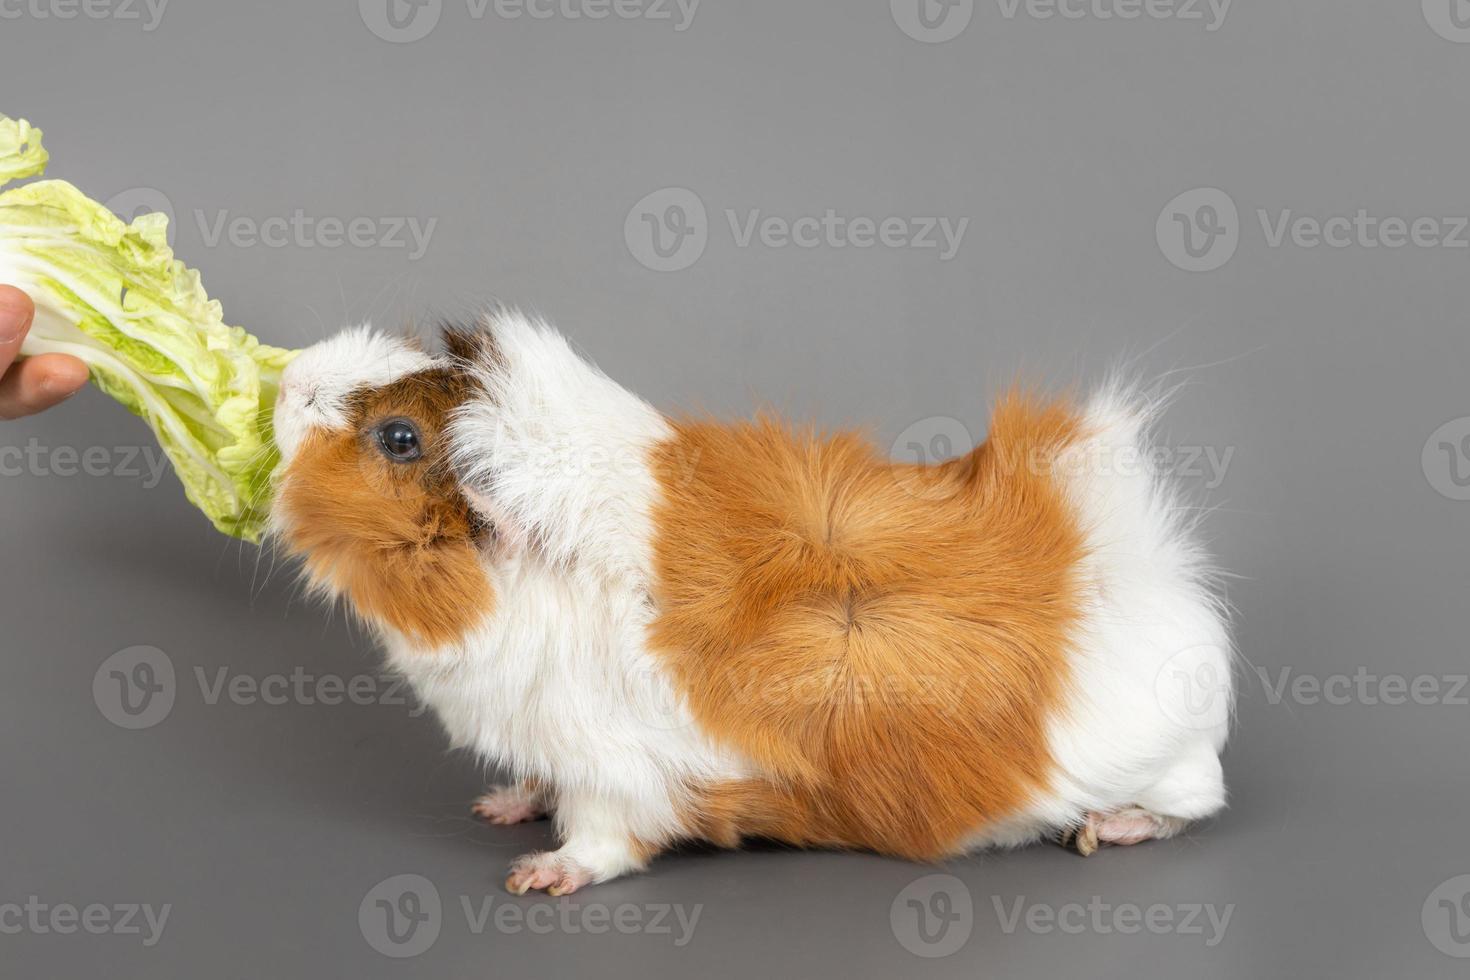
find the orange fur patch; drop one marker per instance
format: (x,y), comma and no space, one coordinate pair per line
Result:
(883,641)
(398,539)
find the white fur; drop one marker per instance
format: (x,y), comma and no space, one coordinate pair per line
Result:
(1151,694)
(558,686)
(315,386)
(558,452)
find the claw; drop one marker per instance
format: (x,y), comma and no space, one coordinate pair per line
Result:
(1082,839)
(550,871)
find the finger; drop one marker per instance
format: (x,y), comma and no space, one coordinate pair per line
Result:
(16,313)
(37,383)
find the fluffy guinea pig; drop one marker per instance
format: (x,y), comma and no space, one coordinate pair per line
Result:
(672,630)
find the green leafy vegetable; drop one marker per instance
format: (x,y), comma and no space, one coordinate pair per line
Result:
(21,152)
(112,294)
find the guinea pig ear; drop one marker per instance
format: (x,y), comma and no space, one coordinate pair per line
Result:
(470,344)
(474,355)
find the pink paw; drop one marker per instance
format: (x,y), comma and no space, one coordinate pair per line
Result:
(506,805)
(549,871)
(1131,825)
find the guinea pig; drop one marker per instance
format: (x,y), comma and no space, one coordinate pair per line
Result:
(678,630)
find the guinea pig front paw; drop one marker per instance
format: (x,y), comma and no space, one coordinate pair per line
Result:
(505,805)
(551,871)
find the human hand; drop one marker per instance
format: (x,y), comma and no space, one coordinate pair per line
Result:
(36,383)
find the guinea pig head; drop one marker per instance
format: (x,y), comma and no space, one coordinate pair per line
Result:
(366,493)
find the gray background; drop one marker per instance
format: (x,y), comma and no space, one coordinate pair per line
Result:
(1324,370)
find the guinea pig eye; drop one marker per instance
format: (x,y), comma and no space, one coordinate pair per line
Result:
(399,441)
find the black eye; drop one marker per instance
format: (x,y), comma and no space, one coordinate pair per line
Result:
(399,441)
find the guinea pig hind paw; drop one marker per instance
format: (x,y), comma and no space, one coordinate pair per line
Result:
(1134,825)
(505,805)
(1130,825)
